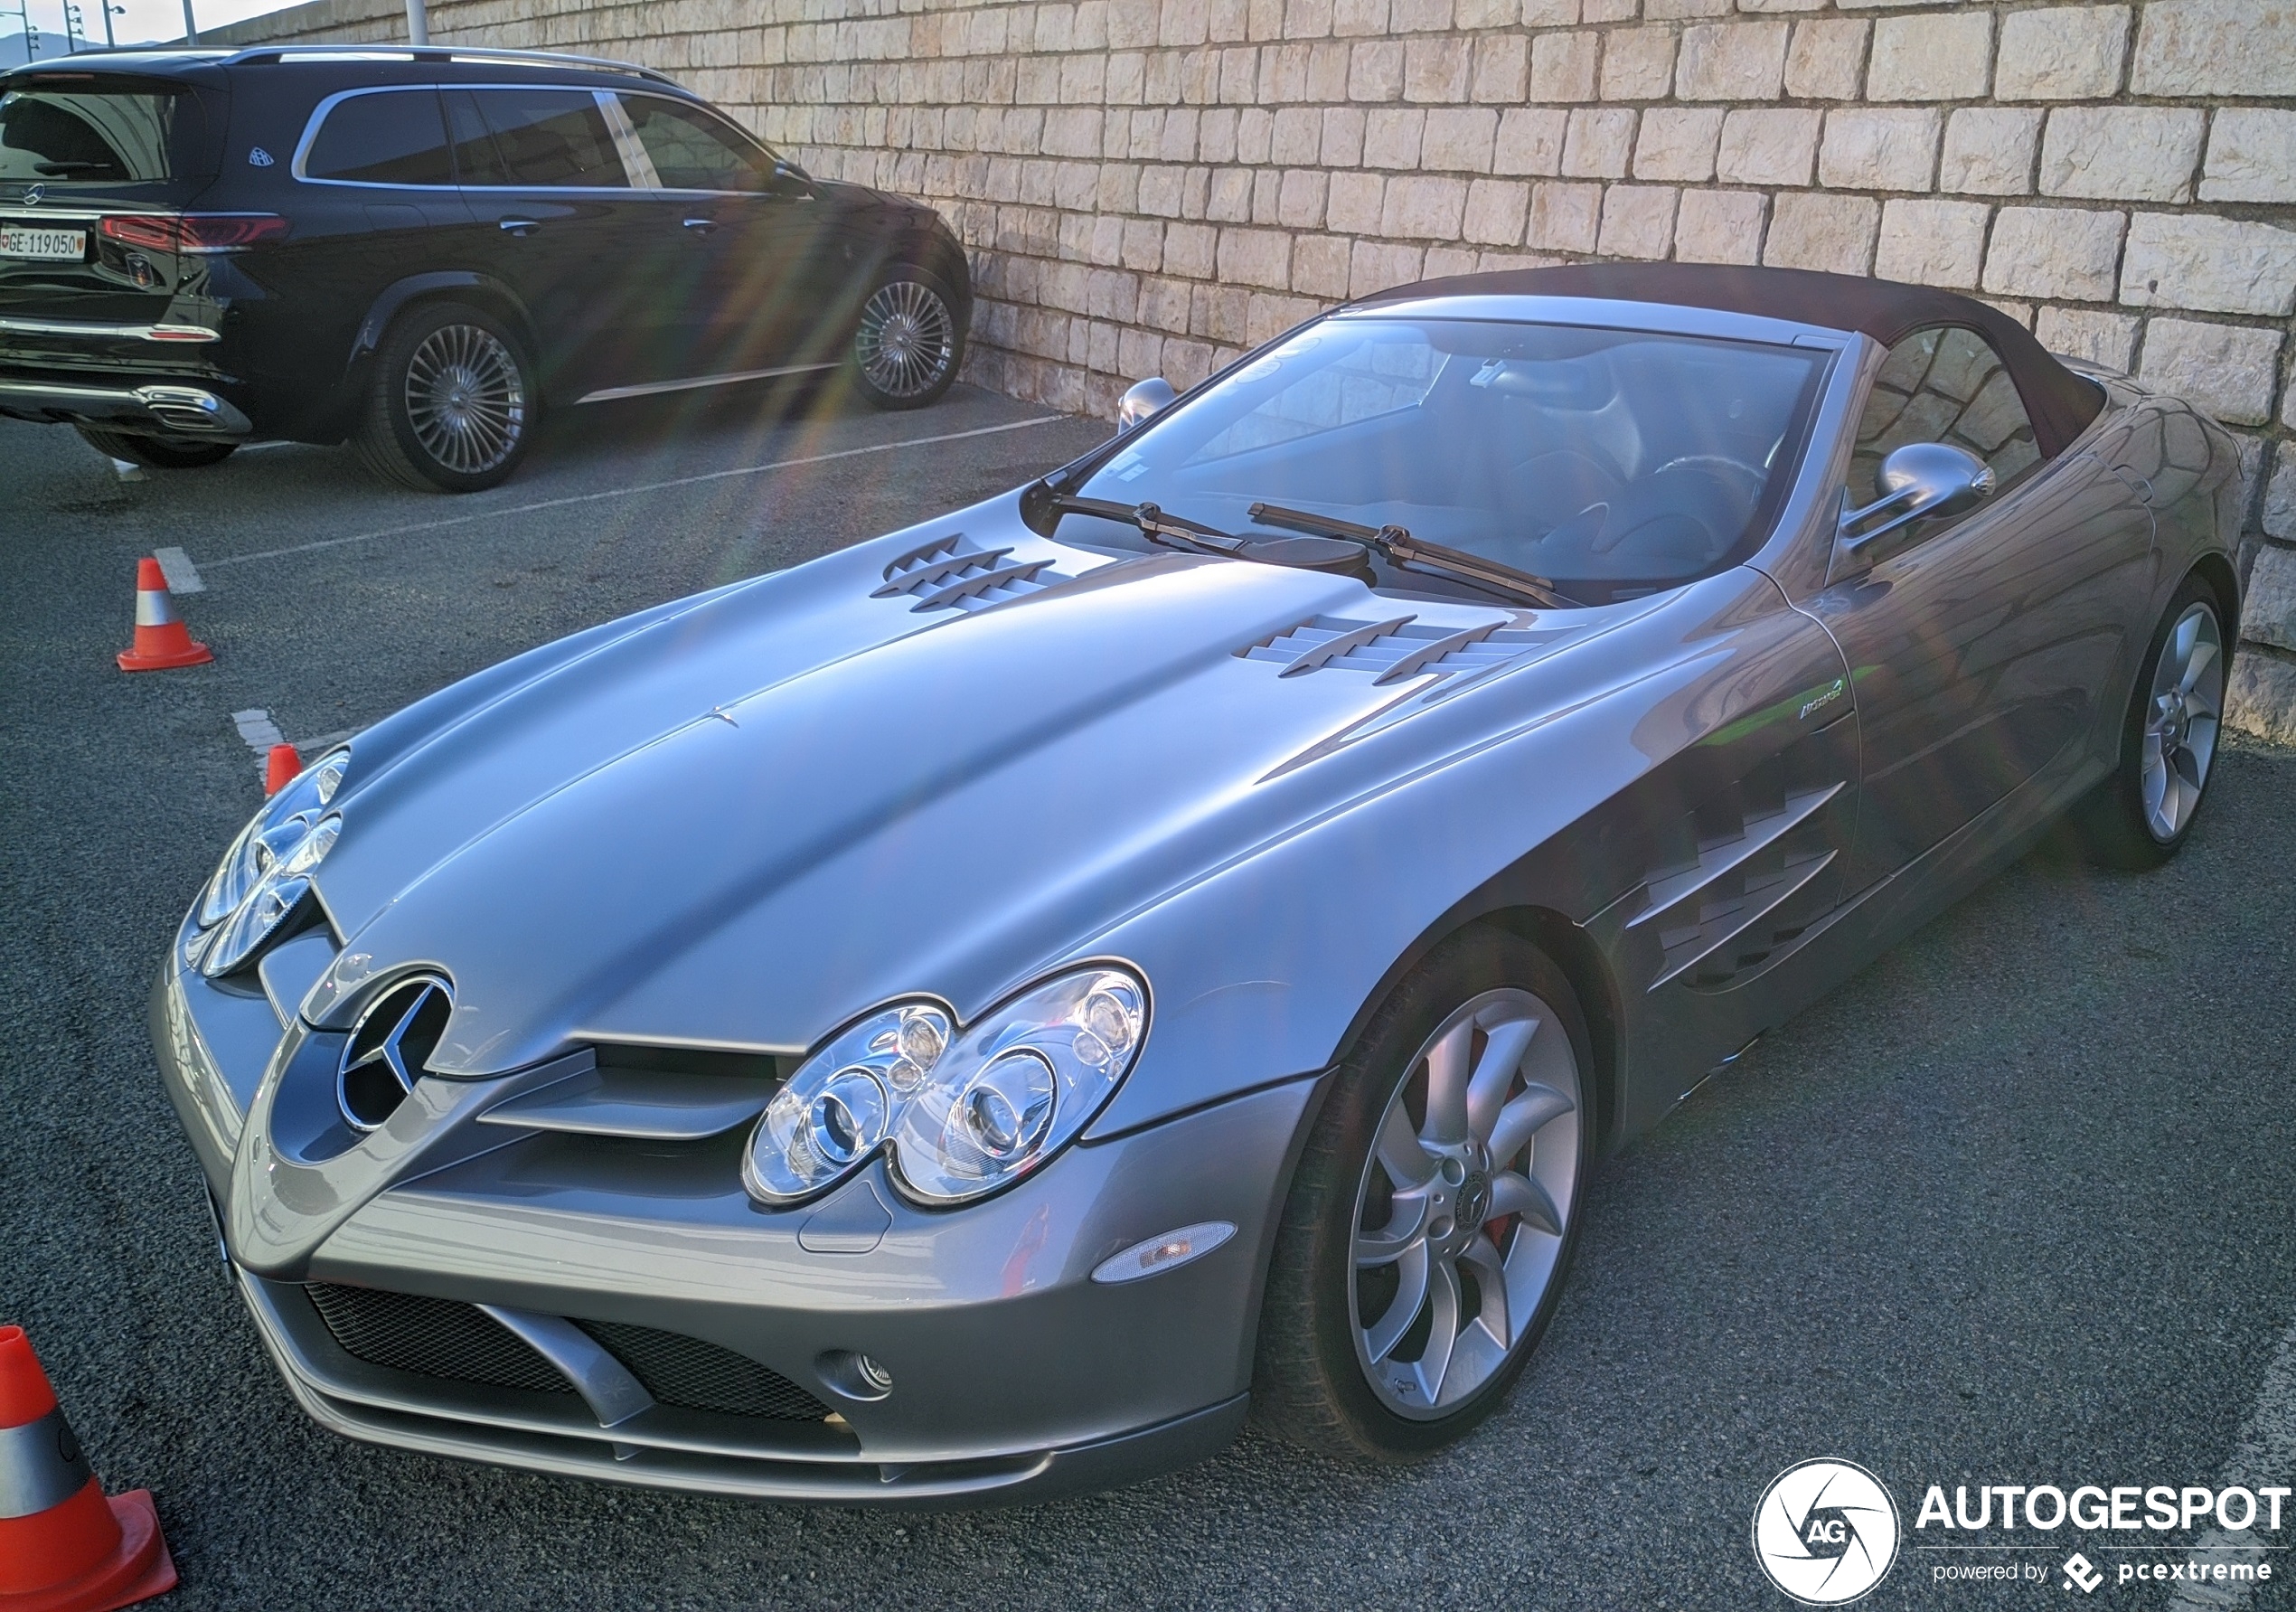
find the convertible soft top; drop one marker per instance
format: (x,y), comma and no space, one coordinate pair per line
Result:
(2060,404)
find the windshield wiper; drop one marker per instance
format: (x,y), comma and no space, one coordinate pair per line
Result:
(1154,524)
(1398,545)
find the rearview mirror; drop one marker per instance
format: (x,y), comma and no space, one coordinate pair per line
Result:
(1918,482)
(1142,399)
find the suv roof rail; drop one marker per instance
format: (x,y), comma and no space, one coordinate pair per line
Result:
(389,52)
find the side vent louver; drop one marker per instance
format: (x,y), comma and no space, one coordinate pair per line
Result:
(1395,650)
(953,572)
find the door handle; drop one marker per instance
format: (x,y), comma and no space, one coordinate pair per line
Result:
(519,226)
(702,226)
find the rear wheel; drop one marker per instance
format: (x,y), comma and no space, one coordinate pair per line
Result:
(451,406)
(157,453)
(2140,816)
(1434,1211)
(907,342)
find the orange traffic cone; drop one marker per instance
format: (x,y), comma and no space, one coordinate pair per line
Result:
(63,1547)
(162,640)
(279,768)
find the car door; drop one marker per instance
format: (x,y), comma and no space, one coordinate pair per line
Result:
(751,286)
(1979,648)
(558,221)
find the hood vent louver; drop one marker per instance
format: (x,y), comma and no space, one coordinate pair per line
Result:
(1392,651)
(953,572)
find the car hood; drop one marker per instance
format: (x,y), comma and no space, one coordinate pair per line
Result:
(742,820)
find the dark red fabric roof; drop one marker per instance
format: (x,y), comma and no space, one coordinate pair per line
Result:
(2060,402)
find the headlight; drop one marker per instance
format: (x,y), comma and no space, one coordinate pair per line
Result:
(962,1112)
(267,868)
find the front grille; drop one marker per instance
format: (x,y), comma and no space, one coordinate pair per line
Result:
(437,1337)
(697,1376)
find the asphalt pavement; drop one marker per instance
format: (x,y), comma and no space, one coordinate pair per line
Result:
(2014,1206)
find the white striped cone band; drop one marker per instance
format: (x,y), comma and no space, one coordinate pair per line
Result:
(40,1465)
(154,607)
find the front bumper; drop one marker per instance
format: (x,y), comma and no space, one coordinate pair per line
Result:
(1015,1374)
(176,409)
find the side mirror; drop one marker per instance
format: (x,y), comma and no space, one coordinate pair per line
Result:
(1918,482)
(1142,399)
(789,180)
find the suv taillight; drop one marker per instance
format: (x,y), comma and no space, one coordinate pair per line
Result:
(194,231)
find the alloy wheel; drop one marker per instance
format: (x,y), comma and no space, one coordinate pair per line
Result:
(1461,1214)
(2180,722)
(907,340)
(465,398)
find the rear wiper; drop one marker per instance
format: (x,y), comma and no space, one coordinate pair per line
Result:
(1397,545)
(1176,532)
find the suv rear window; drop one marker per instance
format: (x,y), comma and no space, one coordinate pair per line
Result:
(389,136)
(533,137)
(68,132)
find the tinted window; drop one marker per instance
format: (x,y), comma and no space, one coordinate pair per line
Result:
(396,138)
(1943,384)
(1614,462)
(540,137)
(692,149)
(91,136)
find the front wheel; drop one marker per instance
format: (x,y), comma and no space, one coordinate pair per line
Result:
(157,453)
(2141,816)
(450,404)
(908,342)
(1434,1211)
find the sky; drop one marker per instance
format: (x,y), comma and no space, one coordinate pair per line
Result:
(133,21)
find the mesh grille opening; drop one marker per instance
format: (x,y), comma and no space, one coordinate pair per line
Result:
(693,1375)
(437,1337)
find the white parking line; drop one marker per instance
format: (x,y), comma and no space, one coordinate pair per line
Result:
(258,729)
(652,487)
(2267,1454)
(182,576)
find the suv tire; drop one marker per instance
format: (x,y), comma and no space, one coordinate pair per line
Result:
(157,453)
(908,341)
(450,403)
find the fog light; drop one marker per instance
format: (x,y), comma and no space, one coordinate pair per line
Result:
(853,1374)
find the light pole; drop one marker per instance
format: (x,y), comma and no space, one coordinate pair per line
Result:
(190,27)
(417,22)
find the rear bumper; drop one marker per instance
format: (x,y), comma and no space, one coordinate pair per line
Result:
(159,406)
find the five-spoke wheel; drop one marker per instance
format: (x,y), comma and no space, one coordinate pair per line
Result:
(2142,811)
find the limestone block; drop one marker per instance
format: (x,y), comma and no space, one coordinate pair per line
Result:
(1496,212)
(2196,260)
(1358,19)
(1813,229)
(1638,63)
(2089,334)
(1675,11)
(1932,242)
(1375,70)
(2268,615)
(1343,130)
(2054,252)
(1597,142)
(1768,146)
(1352,203)
(1423,207)
(1879,149)
(2065,53)
(1435,71)
(1392,137)
(1565,218)
(1638,220)
(1677,143)
(1459,139)
(1563,67)
(1320,265)
(2142,154)
(2251,156)
(1947,56)
(2213,49)
(1530,141)
(1299,135)
(1418,16)
(1501,68)
(1827,60)
(1732,62)
(2261,697)
(1719,226)
(1298,203)
(1377,264)
(1988,151)
(2226,370)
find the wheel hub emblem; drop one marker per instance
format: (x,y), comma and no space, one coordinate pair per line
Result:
(1474,1200)
(387,1052)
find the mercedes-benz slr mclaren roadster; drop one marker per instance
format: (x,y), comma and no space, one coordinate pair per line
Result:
(968,1016)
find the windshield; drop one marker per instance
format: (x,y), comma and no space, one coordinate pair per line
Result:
(1612,463)
(94,135)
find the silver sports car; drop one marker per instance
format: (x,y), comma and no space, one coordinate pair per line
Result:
(967,1016)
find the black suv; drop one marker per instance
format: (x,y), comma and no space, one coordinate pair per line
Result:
(418,249)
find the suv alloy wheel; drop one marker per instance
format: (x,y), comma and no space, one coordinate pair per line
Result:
(451,406)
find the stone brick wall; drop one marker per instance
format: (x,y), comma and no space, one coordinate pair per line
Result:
(1152,186)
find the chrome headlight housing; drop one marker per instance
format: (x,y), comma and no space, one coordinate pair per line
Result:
(962,1111)
(268,869)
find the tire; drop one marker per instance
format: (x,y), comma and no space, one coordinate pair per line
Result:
(2141,814)
(157,453)
(450,403)
(1341,1369)
(907,341)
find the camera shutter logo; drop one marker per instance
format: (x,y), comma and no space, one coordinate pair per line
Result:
(1826,1532)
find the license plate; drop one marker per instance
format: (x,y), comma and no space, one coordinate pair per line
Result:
(59,246)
